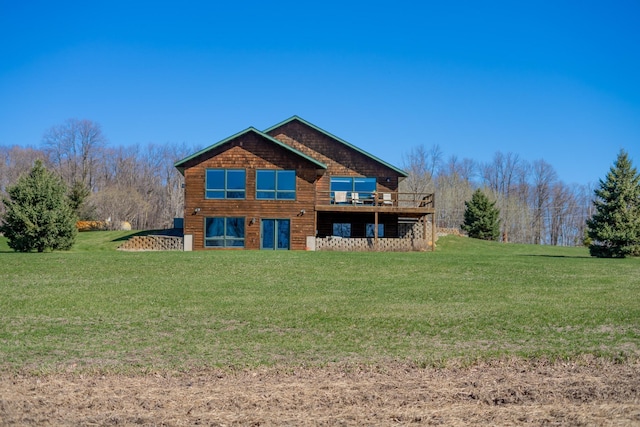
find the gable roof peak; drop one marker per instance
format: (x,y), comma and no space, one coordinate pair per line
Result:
(180,165)
(342,141)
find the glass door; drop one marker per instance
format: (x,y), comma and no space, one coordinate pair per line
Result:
(275,234)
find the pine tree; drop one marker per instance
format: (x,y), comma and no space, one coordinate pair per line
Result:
(614,229)
(38,214)
(481,217)
(78,195)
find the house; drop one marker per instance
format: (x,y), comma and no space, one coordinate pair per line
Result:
(296,186)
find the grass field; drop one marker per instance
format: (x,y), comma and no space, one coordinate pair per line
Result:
(95,308)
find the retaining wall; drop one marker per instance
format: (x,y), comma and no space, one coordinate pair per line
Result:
(153,243)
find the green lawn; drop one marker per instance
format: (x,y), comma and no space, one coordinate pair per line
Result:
(103,309)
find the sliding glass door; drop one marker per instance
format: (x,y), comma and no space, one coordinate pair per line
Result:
(275,234)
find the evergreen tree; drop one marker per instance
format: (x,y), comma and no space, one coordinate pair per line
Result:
(481,217)
(614,229)
(38,214)
(78,195)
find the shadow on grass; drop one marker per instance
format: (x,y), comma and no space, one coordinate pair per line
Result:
(558,256)
(7,250)
(174,232)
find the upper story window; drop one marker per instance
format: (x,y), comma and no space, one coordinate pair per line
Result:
(225,184)
(275,184)
(365,187)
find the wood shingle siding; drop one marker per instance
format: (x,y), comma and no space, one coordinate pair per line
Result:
(341,159)
(250,152)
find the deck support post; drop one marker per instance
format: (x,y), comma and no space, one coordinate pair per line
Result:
(424,228)
(375,231)
(433,232)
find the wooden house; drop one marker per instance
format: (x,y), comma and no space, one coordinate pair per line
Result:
(296,186)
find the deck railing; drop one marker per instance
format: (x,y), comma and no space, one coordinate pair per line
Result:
(389,199)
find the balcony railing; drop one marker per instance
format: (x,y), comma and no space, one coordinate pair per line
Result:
(382,199)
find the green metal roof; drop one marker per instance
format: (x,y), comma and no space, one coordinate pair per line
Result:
(180,164)
(371,156)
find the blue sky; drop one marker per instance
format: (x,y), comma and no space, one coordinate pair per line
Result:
(552,80)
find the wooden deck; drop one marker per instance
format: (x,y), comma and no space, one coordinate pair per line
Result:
(381,205)
(404,204)
(364,208)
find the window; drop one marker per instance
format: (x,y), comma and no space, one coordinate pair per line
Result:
(342,229)
(220,232)
(225,184)
(276,184)
(342,184)
(365,187)
(372,227)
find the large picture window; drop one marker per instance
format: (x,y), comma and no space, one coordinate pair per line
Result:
(275,184)
(221,232)
(365,187)
(225,184)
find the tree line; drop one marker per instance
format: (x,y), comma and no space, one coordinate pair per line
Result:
(535,206)
(140,185)
(137,184)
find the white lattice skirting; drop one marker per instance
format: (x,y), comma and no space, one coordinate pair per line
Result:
(369,244)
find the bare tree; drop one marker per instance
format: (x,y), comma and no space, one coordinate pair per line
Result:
(501,177)
(560,211)
(454,186)
(155,186)
(75,148)
(119,179)
(173,181)
(544,176)
(16,160)
(421,165)
(118,204)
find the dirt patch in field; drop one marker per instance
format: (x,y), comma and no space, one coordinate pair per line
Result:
(514,392)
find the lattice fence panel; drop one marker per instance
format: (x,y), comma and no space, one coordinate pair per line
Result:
(368,244)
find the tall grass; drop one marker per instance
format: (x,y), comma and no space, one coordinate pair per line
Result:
(98,308)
